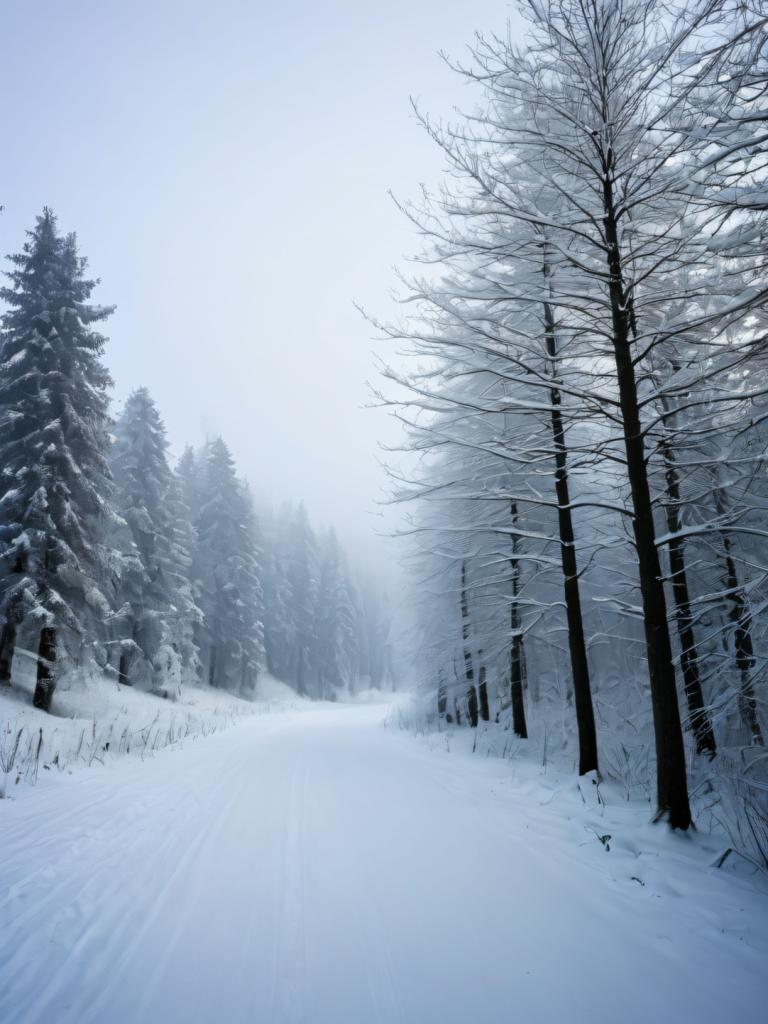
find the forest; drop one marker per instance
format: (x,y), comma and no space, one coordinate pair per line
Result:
(384,602)
(586,410)
(115,562)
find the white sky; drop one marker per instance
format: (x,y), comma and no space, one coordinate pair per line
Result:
(226,166)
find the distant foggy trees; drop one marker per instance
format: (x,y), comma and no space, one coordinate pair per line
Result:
(228,569)
(114,563)
(588,412)
(324,628)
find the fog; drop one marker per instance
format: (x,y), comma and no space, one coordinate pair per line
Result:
(226,168)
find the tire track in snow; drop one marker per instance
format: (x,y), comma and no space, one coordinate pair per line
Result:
(98,943)
(289,972)
(63,905)
(225,795)
(327,872)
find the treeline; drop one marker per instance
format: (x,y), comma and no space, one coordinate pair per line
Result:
(589,409)
(113,561)
(324,628)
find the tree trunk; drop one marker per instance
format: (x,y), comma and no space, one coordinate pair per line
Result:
(516,669)
(739,614)
(442,697)
(7,649)
(577,647)
(212,666)
(46,669)
(469,672)
(689,661)
(672,783)
(482,687)
(124,666)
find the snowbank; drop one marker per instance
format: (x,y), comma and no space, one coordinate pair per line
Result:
(617,813)
(94,720)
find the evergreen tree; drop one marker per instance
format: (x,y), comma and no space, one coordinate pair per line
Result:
(183,556)
(55,480)
(154,597)
(229,575)
(248,580)
(337,618)
(279,627)
(188,476)
(301,574)
(374,629)
(189,479)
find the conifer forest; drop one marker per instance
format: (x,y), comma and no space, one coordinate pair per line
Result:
(384,513)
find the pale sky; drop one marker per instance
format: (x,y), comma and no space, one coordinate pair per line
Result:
(225,166)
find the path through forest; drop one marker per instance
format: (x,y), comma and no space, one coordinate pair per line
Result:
(314,867)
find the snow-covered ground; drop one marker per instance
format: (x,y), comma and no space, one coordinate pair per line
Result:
(312,866)
(95,721)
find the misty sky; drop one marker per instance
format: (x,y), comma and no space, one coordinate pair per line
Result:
(226,166)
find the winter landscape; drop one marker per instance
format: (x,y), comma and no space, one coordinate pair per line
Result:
(384,513)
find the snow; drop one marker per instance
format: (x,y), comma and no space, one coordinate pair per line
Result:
(312,866)
(96,720)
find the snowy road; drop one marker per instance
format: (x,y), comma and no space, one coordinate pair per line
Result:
(315,868)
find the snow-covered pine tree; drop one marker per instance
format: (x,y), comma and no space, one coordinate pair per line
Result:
(183,558)
(141,593)
(156,610)
(54,441)
(336,622)
(188,473)
(248,578)
(279,627)
(231,595)
(374,629)
(301,574)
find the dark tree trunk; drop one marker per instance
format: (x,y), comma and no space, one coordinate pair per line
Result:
(672,783)
(123,667)
(689,662)
(212,666)
(472,711)
(7,649)
(482,688)
(469,672)
(449,717)
(516,655)
(739,614)
(46,669)
(577,647)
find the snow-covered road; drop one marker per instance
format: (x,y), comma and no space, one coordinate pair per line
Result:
(312,867)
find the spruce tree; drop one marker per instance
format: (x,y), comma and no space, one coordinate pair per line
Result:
(248,573)
(336,622)
(54,439)
(154,596)
(301,573)
(186,612)
(188,475)
(229,573)
(279,622)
